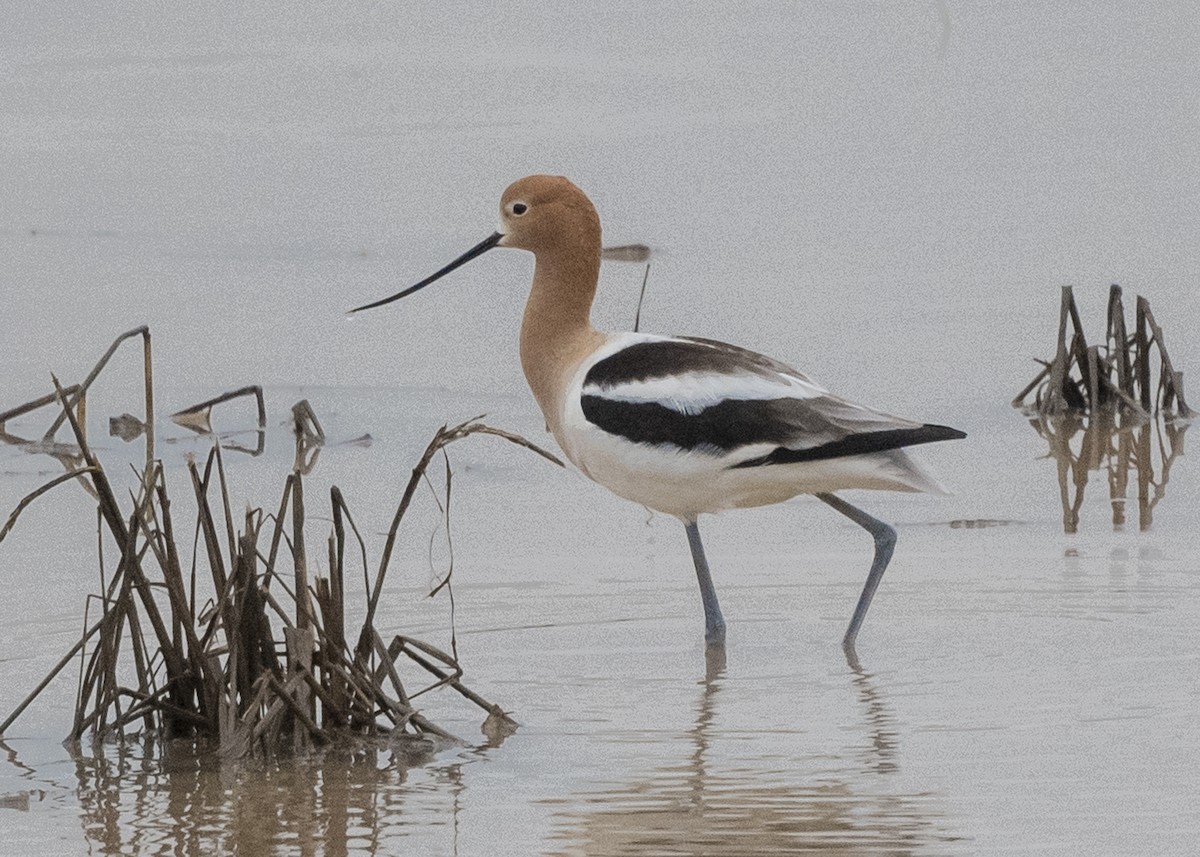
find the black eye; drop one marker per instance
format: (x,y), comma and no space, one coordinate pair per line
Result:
(519,208)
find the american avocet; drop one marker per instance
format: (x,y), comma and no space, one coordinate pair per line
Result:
(682,425)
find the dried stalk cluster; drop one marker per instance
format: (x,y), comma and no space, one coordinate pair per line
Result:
(265,664)
(1117,377)
(1116,408)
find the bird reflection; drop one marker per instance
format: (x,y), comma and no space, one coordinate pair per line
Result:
(712,807)
(882,756)
(1138,451)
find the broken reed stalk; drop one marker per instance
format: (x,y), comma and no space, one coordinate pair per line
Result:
(239,673)
(1116,378)
(443,438)
(69,455)
(80,397)
(198,417)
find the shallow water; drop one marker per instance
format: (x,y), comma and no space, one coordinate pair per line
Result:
(886,202)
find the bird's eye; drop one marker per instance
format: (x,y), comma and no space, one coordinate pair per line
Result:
(519,208)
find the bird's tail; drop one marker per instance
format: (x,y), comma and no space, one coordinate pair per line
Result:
(911,475)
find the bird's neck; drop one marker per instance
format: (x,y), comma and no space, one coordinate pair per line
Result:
(557,332)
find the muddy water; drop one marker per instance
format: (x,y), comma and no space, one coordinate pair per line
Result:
(889,198)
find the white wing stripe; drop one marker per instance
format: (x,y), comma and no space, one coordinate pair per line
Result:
(692,392)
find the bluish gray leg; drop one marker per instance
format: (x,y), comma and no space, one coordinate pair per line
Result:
(885,543)
(714,622)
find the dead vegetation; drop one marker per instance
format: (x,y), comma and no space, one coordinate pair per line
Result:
(1117,408)
(1122,376)
(243,647)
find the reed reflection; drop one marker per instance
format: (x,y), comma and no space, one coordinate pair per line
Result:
(714,807)
(1133,455)
(339,803)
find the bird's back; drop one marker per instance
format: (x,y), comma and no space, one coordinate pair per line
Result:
(687,425)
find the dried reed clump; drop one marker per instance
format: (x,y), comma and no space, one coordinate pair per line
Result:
(266,665)
(1116,408)
(1117,377)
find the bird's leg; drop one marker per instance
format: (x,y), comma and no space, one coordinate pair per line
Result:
(885,543)
(714,622)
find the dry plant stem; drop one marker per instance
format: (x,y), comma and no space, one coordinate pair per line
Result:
(408,645)
(332,608)
(637,317)
(425,725)
(298,710)
(445,581)
(200,408)
(153,701)
(33,495)
(129,572)
(279,609)
(148,378)
(305,421)
(339,503)
(451,679)
(387,666)
(168,560)
(1113,378)
(441,439)
(207,526)
(108,503)
(121,533)
(332,710)
(1058,367)
(29,407)
(1169,377)
(300,560)
(220,673)
(1141,366)
(277,533)
(1019,399)
(50,676)
(230,535)
(1118,339)
(79,396)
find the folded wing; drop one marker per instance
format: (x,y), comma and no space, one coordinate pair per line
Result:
(707,397)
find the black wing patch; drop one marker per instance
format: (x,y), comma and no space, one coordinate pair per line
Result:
(735,423)
(723,426)
(857,444)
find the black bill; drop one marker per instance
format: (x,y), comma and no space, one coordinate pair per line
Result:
(478,250)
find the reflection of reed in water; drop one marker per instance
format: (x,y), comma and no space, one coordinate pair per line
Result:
(1127,453)
(348,802)
(699,809)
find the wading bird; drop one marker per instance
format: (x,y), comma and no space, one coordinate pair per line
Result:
(681,425)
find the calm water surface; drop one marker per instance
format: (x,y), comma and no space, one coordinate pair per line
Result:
(888,197)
